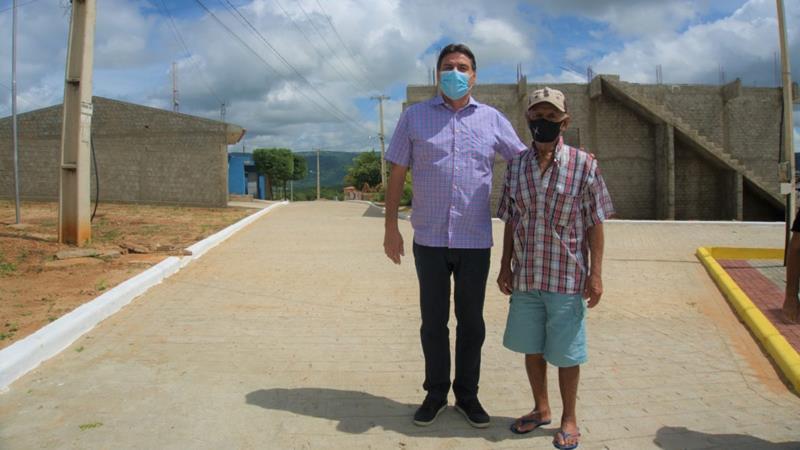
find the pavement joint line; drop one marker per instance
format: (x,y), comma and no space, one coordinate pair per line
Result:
(773,341)
(25,355)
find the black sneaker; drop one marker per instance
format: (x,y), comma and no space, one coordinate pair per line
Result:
(429,411)
(472,410)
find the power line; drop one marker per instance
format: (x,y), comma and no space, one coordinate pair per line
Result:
(18,6)
(261,58)
(327,44)
(322,57)
(182,42)
(339,36)
(293,69)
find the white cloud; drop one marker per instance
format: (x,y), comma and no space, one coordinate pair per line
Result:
(742,44)
(634,17)
(391,44)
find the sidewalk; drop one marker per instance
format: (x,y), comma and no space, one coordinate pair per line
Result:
(298,333)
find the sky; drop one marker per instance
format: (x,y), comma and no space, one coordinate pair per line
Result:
(302,73)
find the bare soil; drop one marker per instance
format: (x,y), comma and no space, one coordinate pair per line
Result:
(37,288)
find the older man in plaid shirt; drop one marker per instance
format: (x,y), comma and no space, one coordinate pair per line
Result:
(554,203)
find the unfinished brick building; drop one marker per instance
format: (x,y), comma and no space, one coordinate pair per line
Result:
(683,152)
(144,155)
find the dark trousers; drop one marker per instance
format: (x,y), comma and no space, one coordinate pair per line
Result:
(470,269)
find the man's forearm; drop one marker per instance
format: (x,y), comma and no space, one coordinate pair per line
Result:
(508,245)
(596,243)
(394,192)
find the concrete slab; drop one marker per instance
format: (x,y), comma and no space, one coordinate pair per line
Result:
(298,333)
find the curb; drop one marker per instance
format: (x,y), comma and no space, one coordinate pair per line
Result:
(773,341)
(25,355)
(199,249)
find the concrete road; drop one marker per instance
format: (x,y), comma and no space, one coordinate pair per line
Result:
(299,333)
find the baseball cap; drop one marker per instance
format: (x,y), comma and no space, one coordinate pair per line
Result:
(552,96)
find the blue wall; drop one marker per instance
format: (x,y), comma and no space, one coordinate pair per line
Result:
(239,165)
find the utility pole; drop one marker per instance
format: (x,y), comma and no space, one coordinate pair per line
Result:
(787,167)
(14,108)
(380,99)
(318,196)
(76,133)
(175,100)
(223,111)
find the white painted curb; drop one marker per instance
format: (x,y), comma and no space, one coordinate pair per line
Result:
(23,356)
(200,248)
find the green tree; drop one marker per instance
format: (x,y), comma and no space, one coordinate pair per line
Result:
(366,168)
(300,171)
(277,164)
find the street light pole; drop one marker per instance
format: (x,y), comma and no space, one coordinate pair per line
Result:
(380,99)
(14,107)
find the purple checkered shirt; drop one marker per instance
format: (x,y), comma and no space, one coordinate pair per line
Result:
(549,214)
(451,156)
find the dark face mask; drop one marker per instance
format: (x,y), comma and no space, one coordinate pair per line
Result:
(544,131)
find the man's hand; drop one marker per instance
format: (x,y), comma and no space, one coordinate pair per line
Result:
(504,280)
(393,245)
(594,290)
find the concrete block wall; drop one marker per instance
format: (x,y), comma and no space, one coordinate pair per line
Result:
(144,155)
(745,124)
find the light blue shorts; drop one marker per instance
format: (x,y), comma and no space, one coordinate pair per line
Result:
(547,323)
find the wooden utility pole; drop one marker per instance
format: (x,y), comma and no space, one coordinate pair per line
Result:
(787,172)
(74,219)
(318,192)
(380,99)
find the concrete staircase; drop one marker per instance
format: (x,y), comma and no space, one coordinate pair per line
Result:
(657,113)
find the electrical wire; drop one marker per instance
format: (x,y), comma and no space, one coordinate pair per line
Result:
(289,65)
(327,44)
(96,178)
(313,46)
(338,114)
(182,42)
(339,36)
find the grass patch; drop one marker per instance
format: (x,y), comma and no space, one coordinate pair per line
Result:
(109,235)
(79,349)
(89,426)
(101,286)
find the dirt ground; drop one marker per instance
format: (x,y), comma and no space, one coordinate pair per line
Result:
(37,288)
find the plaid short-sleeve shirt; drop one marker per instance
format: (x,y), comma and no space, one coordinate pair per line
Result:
(549,214)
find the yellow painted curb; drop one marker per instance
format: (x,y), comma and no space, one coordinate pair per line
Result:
(773,341)
(745,253)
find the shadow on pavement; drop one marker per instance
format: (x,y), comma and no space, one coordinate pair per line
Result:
(373,211)
(674,438)
(359,412)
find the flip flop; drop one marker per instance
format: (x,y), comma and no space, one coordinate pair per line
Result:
(565,436)
(536,422)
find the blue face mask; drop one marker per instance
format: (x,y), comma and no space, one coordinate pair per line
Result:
(454,84)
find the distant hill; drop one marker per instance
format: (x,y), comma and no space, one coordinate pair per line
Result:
(332,166)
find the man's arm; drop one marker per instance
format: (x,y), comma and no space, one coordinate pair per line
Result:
(504,280)
(392,239)
(594,285)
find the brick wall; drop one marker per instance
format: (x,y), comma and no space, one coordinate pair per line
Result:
(144,155)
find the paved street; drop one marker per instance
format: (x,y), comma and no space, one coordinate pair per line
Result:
(298,333)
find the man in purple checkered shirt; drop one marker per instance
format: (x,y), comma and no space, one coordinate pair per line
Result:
(554,203)
(450,143)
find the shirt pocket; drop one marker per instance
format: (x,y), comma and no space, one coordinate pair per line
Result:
(564,209)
